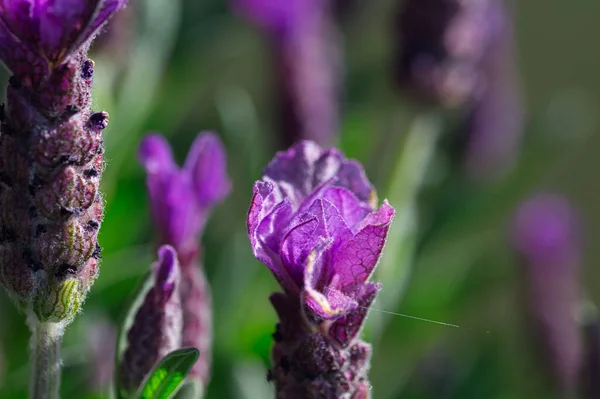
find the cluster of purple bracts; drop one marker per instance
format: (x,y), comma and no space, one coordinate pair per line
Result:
(50,155)
(314,222)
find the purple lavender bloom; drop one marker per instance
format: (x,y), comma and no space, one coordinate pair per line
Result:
(37,36)
(305,50)
(181,200)
(547,237)
(313,221)
(50,154)
(443,43)
(156,330)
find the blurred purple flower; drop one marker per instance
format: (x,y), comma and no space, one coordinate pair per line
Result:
(156,330)
(181,199)
(313,221)
(306,56)
(547,236)
(36,36)
(441,47)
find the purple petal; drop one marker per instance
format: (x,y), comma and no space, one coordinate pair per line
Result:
(329,304)
(352,176)
(264,233)
(321,221)
(293,171)
(154,153)
(104,10)
(355,261)
(206,162)
(347,204)
(345,329)
(166,272)
(60,23)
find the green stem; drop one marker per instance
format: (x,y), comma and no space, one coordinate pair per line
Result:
(406,182)
(46,339)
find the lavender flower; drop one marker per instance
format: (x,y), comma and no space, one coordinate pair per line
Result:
(443,43)
(156,330)
(313,221)
(307,62)
(50,154)
(460,54)
(181,200)
(547,237)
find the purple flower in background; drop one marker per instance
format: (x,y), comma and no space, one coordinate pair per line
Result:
(156,329)
(306,58)
(37,36)
(181,200)
(460,54)
(313,221)
(547,237)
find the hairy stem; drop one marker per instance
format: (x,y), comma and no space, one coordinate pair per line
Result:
(46,339)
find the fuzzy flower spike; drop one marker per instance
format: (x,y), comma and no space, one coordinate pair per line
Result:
(181,200)
(50,154)
(50,167)
(313,221)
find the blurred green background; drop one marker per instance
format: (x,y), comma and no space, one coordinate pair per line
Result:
(183,66)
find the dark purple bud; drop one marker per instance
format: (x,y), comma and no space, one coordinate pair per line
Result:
(547,236)
(99,120)
(87,69)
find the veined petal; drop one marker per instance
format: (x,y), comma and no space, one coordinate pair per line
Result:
(355,260)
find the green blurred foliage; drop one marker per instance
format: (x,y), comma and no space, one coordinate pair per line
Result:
(183,66)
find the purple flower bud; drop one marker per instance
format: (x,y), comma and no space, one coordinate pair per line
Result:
(36,36)
(306,55)
(313,221)
(547,236)
(156,330)
(50,154)
(180,199)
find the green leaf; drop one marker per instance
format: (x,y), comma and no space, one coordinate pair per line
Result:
(167,377)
